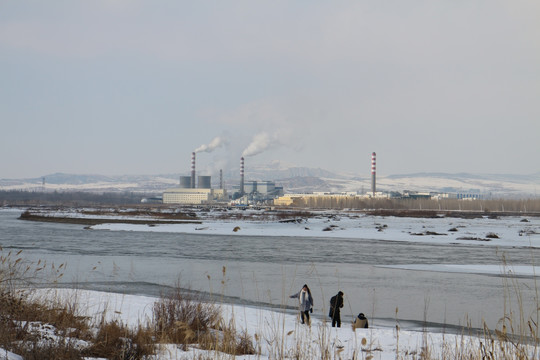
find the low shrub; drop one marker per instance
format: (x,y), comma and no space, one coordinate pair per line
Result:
(182,318)
(115,341)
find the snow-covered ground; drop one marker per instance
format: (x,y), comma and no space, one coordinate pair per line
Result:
(511,231)
(275,333)
(486,231)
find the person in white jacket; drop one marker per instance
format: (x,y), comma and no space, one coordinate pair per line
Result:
(305,302)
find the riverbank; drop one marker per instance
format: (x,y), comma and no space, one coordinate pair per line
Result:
(274,334)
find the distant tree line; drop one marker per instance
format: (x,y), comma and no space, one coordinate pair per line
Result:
(487,206)
(71,198)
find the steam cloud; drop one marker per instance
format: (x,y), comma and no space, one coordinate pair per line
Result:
(260,143)
(214,144)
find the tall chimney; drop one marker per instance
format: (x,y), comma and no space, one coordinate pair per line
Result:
(373,168)
(241,176)
(221,178)
(193,170)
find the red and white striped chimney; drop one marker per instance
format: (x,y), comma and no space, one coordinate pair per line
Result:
(373,173)
(242,176)
(193,170)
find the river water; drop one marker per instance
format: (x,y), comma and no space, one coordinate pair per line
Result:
(264,271)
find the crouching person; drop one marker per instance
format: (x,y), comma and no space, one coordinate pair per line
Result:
(361,322)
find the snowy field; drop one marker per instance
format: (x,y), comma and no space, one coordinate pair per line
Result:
(277,333)
(510,231)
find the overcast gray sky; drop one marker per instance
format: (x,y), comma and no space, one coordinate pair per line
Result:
(133,87)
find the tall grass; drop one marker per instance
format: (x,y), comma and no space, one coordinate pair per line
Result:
(182,318)
(20,317)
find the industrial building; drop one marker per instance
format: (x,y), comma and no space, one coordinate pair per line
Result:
(198,190)
(288,199)
(324,199)
(259,190)
(190,193)
(255,191)
(193,196)
(187,196)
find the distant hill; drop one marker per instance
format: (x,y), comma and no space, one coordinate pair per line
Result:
(60,178)
(294,179)
(505,185)
(277,172)
(98,183)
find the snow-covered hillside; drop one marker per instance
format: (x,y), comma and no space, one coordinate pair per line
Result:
(296,179)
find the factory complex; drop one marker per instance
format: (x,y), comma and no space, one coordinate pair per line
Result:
(324,199)
(194,190)
(201,192)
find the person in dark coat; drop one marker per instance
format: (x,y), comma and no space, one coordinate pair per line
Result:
(361,322)
(305,302)
(336,303)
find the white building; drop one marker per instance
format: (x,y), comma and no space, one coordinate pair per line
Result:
(187,196)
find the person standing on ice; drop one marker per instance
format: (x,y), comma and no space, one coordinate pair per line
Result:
(336,303)
(305,302)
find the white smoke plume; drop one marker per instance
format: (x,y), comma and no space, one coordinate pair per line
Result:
(260,143)
(214,144)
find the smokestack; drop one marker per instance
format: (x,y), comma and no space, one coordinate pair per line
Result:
(241,176)
(373,168)
(193,170)
(220,178)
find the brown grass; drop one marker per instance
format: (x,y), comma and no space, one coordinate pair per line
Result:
(21,321)
(36,328)
(187,319)
(182,318)
(115,341)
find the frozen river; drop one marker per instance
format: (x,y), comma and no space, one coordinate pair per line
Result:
(430,279)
